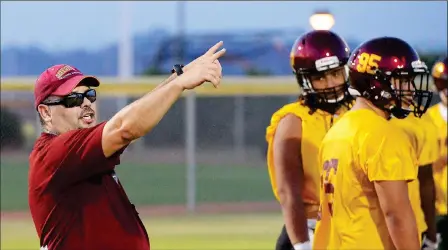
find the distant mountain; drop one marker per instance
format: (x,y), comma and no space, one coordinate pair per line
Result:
(266,51)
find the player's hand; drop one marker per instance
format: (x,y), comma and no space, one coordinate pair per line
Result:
(210,52)
(440,163)
(204,69)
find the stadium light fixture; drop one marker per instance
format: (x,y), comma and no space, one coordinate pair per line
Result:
(322,20)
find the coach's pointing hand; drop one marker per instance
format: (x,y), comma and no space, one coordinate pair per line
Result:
(205,68)
(210,52)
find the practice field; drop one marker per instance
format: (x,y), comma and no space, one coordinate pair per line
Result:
(157,184)
(202,232)
(236,208)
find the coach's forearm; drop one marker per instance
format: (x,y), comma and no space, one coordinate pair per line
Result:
(173,76)
(295,218)
(141,116)
(168,80)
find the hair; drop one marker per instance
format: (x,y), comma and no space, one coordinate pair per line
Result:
(310,101)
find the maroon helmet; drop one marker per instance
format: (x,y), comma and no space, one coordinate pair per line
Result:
(388,72)
(440,75)
(315,54)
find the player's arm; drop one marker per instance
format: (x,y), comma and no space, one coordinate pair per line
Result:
(428,152)
(290,177)
(400,218)
(391,164)
(141,116)
(427,197)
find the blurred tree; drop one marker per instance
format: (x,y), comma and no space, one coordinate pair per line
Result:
(253,71)
(153,71)
(11,134)
(430,59)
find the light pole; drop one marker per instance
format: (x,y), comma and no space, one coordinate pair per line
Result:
(125,46)
(322,20)
(190,114)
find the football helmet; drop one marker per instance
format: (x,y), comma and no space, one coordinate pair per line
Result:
(389,73)
(313,56)
(440,75)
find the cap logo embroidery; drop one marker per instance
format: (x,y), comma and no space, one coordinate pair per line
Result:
(62,72)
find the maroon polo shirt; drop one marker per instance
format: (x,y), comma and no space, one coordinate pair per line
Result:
(75,198)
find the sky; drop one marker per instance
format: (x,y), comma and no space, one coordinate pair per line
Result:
(90,25)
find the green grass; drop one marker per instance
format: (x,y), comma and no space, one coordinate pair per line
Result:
(156,184)
(200,232)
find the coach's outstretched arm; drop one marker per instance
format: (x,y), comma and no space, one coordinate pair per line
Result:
(139,117)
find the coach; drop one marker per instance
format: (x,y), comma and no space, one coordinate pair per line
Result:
(75,198)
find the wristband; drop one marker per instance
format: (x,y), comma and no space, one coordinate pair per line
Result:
(302,246)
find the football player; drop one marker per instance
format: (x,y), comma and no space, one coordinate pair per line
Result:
(438,115)
(367,161)
(423,138)
(318,60)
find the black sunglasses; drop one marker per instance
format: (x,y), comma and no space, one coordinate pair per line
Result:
(74,99)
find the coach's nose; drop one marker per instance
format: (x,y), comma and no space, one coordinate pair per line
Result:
(86,103)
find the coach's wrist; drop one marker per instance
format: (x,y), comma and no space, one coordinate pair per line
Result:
(179,83)
(186,67)
(302,246)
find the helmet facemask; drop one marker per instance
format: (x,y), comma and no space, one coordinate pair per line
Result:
(407,92)
(318,95)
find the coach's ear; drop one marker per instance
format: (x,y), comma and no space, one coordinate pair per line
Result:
(44,113)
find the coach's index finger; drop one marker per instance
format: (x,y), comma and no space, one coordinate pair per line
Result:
(213,49)
(218,54)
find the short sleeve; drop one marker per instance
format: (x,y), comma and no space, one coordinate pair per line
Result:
(429,147)
(389,156)
(78,155)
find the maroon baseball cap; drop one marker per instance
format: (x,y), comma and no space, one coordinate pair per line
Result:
(60,80)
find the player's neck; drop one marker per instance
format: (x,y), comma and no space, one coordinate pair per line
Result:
(444,104)
(443,111)
(443,98)
(362,103)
